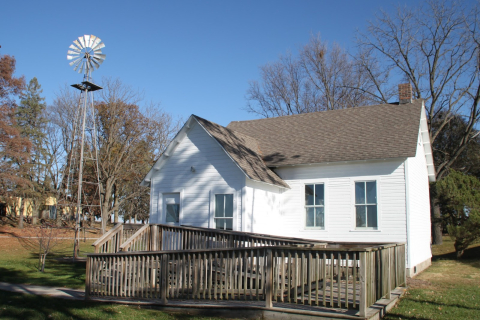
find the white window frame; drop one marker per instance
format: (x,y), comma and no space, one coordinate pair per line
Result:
(215,191)
(377,185)
(314,206)
(162,207)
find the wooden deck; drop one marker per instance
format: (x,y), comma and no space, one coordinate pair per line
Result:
(212,266)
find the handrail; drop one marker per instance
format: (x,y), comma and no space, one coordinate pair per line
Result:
(102,243)
(107,234)
(131,241)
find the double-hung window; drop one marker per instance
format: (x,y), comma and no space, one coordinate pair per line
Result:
(366,205)
(223,218)
(315,206)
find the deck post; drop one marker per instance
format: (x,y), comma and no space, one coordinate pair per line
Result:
(269,280)
(363,284)
(153,238)
(389,273)
(164,287)
(87,279)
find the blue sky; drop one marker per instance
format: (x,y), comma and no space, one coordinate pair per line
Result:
(189,56)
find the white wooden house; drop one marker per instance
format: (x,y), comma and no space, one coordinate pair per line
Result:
(352,175)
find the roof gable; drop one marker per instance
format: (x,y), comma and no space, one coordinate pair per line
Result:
(241,149)
(244,151)
(363,133)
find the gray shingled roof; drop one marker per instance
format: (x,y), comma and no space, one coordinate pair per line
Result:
(244,151)
(363,133)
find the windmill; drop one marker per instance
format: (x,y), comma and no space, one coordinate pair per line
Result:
(85,55)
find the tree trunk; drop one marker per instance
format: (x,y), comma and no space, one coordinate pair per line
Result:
(436,220)
(43,257)
(20,218)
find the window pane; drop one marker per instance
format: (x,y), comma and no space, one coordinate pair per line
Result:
(309,194)
(220,224)
(309,221)
(229,205)
(360,216)
(219,205)
(372,192)
(319,217)
(172,212)
(319,194)
(359,192)
(372,216)
(228,224)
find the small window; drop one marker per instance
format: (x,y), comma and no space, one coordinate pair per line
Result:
(366,204)
(172,207)
(315,206)
(223,218)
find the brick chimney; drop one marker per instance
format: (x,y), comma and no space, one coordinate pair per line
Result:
(404,93)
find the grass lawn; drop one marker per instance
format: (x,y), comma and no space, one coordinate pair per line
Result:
(18,264)
(22,306)
(449,289)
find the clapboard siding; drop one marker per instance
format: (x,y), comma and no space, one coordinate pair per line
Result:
(214,172)
(263,204)
(339,182)
(418,208)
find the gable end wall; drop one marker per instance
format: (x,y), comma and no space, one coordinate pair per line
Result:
(214,172)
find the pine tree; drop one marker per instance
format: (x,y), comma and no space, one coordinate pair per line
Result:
(31,122)
(459,196)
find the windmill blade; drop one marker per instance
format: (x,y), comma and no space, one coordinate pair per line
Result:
(82,41)
(97,65)
(99,46)
(90,64)
(74,48)
(96,42)
(98,51)
(81,68)
(78,44)
(92,40)
(87,40)
(75,62)
(99,61)
(74,53)
(74,58)
(100,56)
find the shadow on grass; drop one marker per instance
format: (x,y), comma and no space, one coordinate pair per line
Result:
(25,306)
(441,304)
(58,273)
(469,254)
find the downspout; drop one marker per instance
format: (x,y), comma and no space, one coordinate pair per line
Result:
(407,213)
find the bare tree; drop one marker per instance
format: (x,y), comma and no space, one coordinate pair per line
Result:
(43,240)
(130,139)
(318,78)
(435,48)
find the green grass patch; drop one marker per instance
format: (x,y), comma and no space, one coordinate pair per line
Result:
(20,265)
(24,306)
(449,289)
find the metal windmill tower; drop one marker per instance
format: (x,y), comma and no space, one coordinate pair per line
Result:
(86,55)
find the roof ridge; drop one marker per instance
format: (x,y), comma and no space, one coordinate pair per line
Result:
(324,111)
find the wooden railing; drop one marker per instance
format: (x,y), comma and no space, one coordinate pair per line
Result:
(164,237)
(111,241)
(353,277)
